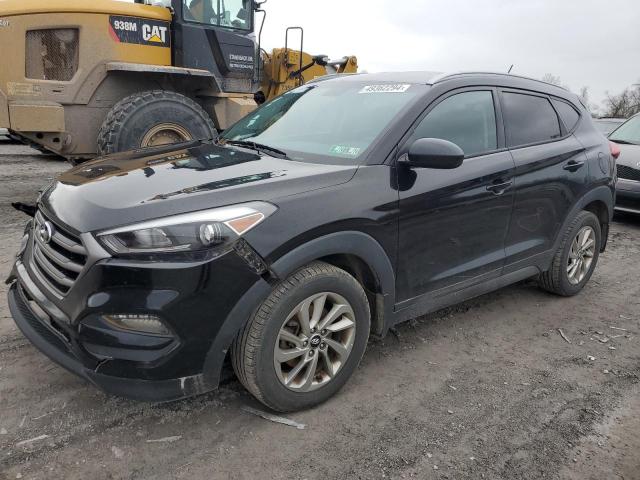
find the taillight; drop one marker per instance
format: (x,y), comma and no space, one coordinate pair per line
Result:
(615,150)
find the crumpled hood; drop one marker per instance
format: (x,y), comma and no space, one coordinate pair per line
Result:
(134,186)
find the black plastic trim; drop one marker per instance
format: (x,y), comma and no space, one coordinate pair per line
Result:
(54,348)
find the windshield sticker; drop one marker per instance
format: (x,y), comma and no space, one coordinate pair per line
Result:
(346,151)
(386,88)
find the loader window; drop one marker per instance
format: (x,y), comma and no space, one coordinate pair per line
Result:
(329,122)
(223,13)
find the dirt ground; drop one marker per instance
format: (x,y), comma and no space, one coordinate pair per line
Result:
(488,389)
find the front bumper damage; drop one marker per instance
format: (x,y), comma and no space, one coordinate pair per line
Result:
(202,303)
(48,334)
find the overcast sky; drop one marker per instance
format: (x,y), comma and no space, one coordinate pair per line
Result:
(593,43)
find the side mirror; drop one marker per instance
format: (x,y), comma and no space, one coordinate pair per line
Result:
(435,153)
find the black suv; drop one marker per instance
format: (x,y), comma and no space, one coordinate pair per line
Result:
(333,212)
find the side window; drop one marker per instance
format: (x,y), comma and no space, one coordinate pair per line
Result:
(232,13)
(567,113)
(529,119)
(467,119)
(235,13)
(200,11)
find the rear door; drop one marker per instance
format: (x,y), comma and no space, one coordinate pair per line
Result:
(453,222)
(551,171)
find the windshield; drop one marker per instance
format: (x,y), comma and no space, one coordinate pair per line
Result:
(223,13)
(325,121)
(628,132)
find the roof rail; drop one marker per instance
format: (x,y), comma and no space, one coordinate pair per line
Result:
(447,76)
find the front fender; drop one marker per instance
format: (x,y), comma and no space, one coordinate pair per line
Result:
(347,243)
(357,244)
(354,243)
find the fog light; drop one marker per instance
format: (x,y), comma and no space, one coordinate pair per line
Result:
(143,323)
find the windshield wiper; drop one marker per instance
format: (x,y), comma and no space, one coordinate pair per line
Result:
(624,142)
(258,147)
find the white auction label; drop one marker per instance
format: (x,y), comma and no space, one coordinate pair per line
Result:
(386,88)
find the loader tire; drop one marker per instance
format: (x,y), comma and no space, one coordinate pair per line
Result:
(153,118)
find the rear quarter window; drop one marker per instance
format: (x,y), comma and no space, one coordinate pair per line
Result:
(529,119)
(567,114)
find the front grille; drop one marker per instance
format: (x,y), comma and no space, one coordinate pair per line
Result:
(52,54)
(628,173)
(59,261)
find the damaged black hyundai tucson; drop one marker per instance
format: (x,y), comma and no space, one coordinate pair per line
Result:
(328,215)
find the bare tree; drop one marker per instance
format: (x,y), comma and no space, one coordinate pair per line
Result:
(552,79)
(624,104)
(584,95)
(585,98)
(584,91)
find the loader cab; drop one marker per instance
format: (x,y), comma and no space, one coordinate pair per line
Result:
(218,36)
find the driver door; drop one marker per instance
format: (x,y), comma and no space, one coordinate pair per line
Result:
(453,223)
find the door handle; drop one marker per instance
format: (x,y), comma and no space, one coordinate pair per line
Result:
(573,165)
(498,187)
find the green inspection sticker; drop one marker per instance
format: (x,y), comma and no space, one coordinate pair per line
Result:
(345,150)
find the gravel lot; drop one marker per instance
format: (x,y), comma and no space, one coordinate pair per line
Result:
(488,389)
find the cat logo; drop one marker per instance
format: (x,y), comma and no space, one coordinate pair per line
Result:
(154,33)
(140,31)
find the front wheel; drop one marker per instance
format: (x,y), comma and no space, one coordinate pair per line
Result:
(576,258)
(305,340)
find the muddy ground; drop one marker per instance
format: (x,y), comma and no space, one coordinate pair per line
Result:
(488,389)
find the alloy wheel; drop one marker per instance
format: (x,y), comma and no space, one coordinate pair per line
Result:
(314,342)
(581,255)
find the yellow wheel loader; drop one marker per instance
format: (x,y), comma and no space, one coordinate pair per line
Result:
(84,78)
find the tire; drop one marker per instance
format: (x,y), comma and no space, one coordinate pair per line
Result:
(131,123)
(253,353)
(558,279)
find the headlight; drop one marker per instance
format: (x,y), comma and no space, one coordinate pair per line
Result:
(190,232)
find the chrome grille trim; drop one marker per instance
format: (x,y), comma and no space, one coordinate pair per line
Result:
(49,268)
(57,258)
(60,262)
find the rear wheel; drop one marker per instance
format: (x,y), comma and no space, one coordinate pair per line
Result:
(305,340)
(576,258)
(153,118)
